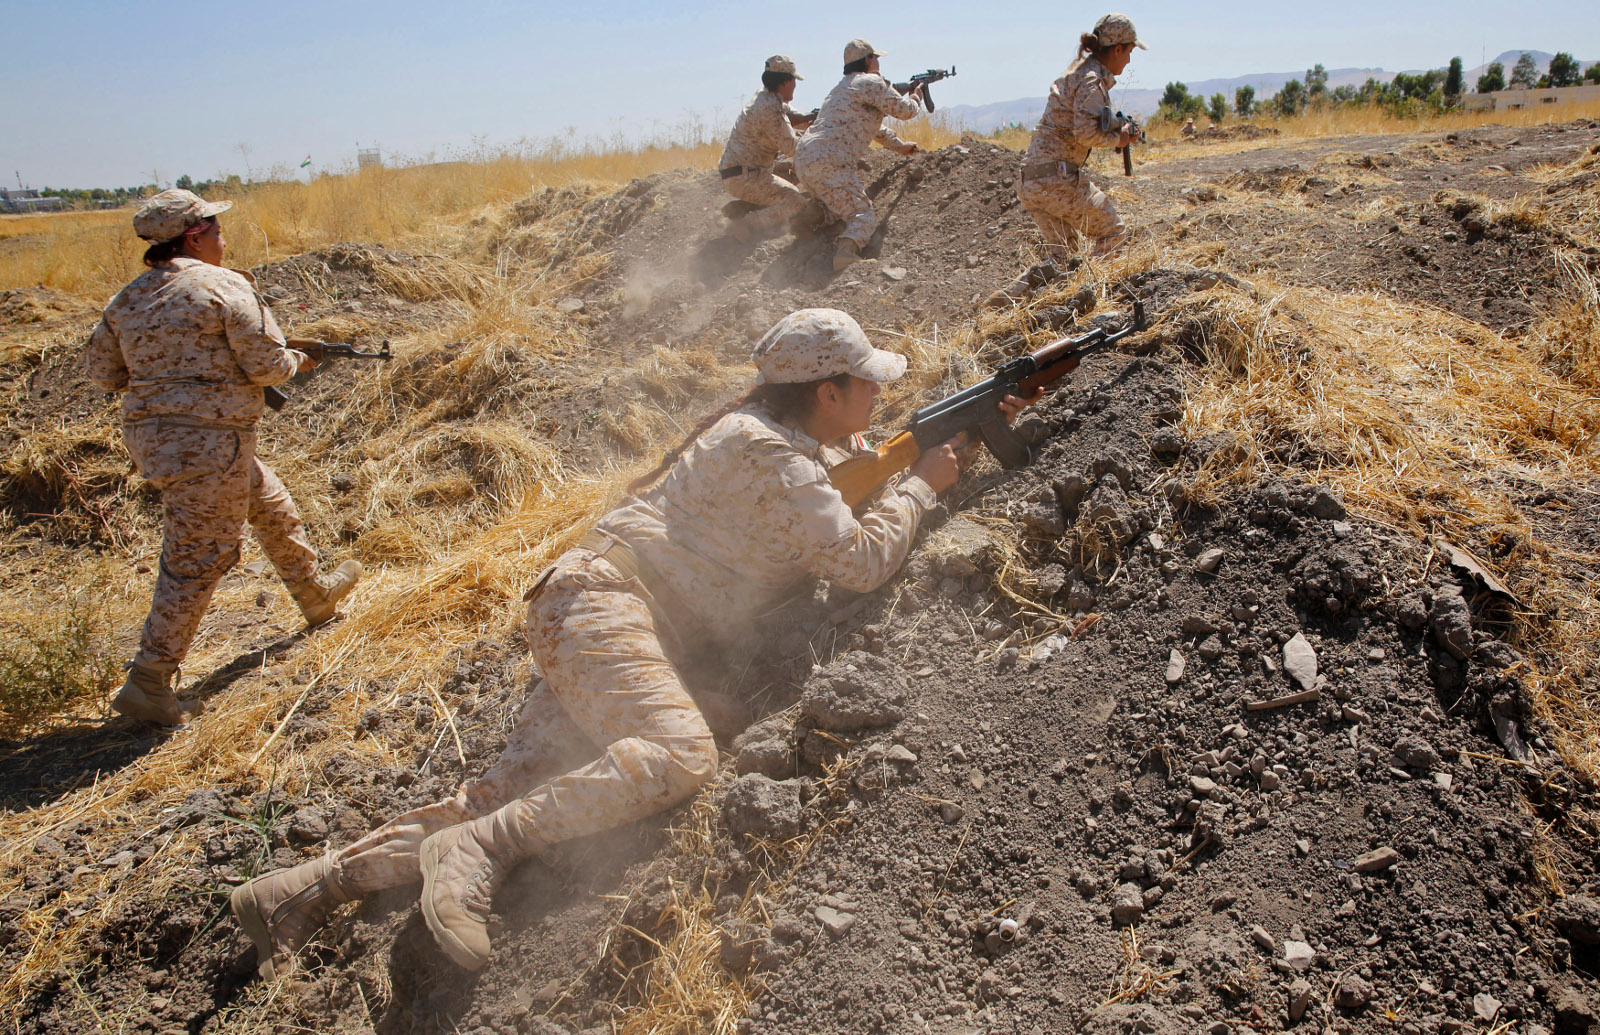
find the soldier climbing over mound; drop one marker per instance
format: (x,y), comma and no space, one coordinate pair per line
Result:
(850,120)
(764,131)
(721,530)
(190,345)
(1054,186)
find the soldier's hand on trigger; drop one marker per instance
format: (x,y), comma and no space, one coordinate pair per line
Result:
(1012,405)
(939,466)
(307,351)
(907,149)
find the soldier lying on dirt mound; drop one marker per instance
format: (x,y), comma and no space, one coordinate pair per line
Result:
(743,508)
(850,120)
(764,130)
(190,346)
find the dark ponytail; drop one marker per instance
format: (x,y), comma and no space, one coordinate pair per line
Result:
(790,402)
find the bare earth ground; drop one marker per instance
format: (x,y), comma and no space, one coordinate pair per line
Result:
(1043,719)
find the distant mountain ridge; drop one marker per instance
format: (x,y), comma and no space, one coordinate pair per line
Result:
(1025,111)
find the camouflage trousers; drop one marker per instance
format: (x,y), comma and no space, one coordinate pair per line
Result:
(608,688)
(839,188)
(1064,206)
(212,484)
(781,200)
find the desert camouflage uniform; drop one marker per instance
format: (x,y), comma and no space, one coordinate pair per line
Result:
(762,134)
(825,157)
(1069,201)
(190,346)
(751,514)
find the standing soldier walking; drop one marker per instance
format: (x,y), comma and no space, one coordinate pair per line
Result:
(190,345)
(1054,187)
(850,120)
(764,131)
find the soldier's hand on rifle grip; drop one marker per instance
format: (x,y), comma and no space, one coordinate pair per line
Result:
(1012,405)
(939,466)
(1124,138)
(310,350)
(908,149)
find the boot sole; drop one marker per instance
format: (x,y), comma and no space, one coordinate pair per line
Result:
(452,946)
(247,910)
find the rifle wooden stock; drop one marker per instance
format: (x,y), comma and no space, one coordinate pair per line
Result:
(860,476)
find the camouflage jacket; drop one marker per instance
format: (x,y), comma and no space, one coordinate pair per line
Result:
(190,341)
(762,133)
(746,513)
(852,118)
(1070,125)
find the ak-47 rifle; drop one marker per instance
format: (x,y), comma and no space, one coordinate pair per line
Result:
(924,80)
(321,351)
(1110,123)
(975,411)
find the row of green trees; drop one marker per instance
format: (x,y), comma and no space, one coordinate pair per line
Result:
(1405,95)
(1564,71)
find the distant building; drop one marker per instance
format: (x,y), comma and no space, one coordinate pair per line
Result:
(27,199)
(368,156)
(1510,100)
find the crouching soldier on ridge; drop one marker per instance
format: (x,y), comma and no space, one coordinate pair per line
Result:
(190,345)
(849,121)
(764,131)
(1054,187)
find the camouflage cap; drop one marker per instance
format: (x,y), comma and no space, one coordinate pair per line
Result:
(784,64)
(811,344)
(170,213)
(1117,28)
(857,49)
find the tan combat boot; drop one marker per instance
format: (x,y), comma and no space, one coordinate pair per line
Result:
(147,695)
(845,252)
(319,595)
(281,910)
(462,867)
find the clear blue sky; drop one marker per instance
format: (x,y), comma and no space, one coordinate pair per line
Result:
(108,94)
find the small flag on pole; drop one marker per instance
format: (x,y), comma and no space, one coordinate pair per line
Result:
(306,162)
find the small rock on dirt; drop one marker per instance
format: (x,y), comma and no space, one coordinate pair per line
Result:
(1300,661)
(1127,905)
(762,807)
(1377,859)
(835,922)
(1578,918)
(1354,993)
(1175,665)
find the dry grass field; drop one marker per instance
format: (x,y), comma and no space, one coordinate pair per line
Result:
(511,419)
